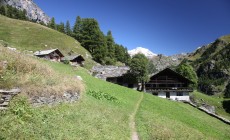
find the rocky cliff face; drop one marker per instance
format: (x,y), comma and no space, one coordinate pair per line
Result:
(34,13)
(212,64)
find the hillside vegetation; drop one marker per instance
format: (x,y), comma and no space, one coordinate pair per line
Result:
(212,64)
(104,113)
(25,35)
(18,70)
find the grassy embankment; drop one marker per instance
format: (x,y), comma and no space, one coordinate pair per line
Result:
(213,101)
(25,35)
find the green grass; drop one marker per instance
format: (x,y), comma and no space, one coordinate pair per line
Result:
(162,119)
(25,35)
(89,118)
(211,100)
(92,118)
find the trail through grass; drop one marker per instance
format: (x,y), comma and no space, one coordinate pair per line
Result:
(134,133)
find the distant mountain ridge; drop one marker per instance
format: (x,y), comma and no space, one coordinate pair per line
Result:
(34,13)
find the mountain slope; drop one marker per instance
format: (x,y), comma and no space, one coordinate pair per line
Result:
(212,63)
(25,35)
(34,13)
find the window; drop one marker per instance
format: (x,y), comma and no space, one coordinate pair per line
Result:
(179,94)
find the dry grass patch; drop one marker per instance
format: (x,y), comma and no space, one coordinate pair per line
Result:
(34,77)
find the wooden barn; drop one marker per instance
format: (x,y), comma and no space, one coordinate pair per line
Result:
(53,55)
(169,84)
(75,60)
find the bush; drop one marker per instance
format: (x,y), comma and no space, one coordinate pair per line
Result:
(102,96)
(227,91)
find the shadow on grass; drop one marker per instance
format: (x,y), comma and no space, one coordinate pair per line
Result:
(226,105)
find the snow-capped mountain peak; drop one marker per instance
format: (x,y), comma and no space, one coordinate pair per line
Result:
(141,50)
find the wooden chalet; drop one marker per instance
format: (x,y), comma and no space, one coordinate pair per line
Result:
(75,60)
(169,84)
(53,55)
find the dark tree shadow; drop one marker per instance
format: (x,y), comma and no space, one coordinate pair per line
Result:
(226,105)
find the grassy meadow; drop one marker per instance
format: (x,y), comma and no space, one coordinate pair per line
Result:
(28,36)
(102,118)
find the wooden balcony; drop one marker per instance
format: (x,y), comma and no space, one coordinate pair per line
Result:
(167,89)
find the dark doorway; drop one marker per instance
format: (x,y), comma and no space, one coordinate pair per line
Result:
(167,94)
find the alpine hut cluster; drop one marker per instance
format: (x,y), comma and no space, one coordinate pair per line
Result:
(56,55)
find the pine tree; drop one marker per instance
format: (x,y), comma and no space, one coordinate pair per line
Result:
(61,27)
(52,24)
(9,12)
(68,30)
(2,10)
(110,45)
(77,29)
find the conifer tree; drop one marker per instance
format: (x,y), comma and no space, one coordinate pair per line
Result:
(61,27)
(9,12)
(2,10)
(68,30)
(77,29)
(110,45)
(52,24)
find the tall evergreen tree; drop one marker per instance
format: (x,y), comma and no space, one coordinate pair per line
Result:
(68,30)
(77,28)
(52,24)
(61,27)
(110,45)
(88,33)
(2,10)
(9,12)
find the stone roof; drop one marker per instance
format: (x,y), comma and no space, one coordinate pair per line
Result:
(104,72)
(44,52)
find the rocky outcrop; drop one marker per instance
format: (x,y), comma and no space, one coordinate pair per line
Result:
(34,13)
(161,61)
(53,100)
(104,72)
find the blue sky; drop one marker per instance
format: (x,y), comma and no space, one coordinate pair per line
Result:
(163,26)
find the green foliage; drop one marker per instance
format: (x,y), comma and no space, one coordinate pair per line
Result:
(121,54)
(227,91)
(151,67)
(88,33)
(13,12)
(61,27)
(139,67)
(52,24)
(20,107)
(187,71)
(102,96)
(68,30)
(2,10)
(111,45)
